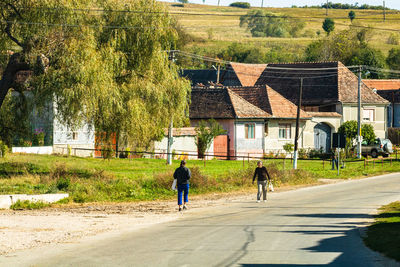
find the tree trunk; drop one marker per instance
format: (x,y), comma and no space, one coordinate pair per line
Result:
(8,79)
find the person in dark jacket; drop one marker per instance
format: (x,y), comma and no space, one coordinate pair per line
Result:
(261,173)
(182,175)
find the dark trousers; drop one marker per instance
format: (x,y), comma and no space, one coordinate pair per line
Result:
(185,189)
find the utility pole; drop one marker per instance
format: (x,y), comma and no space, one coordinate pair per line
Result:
(384,11)
(296,137)
(327,5)
(359,115)
(218,72)
(262,3)
(218,2)
(170,137)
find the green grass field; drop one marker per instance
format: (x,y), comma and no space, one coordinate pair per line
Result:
(225,29)
(93,180)
(384,234)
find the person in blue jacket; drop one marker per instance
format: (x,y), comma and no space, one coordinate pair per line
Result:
(182,175)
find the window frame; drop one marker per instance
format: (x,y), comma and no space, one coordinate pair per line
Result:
(287,128)
(371,112)
(246,130)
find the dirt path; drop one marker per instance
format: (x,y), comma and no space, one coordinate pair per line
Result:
(27,229)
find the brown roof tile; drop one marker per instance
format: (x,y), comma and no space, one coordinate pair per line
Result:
(330,85)
(244,109)
(270,101)
(348,87)
(393,84)
(221,103)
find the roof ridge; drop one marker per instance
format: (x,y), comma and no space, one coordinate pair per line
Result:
(230,92)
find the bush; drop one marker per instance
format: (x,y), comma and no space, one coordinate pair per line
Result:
(394,39)
(28,205)
(240,4)
(3,149)
(63,183)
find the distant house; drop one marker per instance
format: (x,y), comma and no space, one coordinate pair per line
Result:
(389,90)
(58,138)
(329,99)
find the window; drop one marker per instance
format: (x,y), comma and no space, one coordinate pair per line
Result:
(266,129)
(285,131)
(249,129)
(368,114)
(74,136)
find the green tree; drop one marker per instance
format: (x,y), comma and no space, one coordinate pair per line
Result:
(265,24)
(352,16)
(367,132)
(206,132)
(349,128)
(328,25)
(184,1)
(106,70)
(393,59)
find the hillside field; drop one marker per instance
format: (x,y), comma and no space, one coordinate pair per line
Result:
(217,27)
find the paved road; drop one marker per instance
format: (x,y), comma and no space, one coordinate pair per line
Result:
(318,226)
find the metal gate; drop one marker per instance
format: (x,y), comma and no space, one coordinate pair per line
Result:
(221,147)
(322,137)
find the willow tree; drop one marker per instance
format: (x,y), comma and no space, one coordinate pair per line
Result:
(99,62)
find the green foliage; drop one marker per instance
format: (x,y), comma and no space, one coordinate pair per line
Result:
(3,149)
(28,205)
(63,183)
(14,118)
(240,4)
(349,128)
(265,24)
(348,46)
(367,132)
(393,39)
(393,59)
(183,1)
(288,147)
(206,132)
(113,75)
(352,15)
(328,25)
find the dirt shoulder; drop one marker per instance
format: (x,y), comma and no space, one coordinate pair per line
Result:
(68,223)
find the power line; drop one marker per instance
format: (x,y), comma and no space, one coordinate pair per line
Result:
(99,10)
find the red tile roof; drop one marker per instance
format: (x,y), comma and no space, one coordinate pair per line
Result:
(383,84)
(248,74)
(270,101)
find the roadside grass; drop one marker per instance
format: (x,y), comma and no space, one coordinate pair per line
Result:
(384,234)
(226,29)
(28,205)
(117,180)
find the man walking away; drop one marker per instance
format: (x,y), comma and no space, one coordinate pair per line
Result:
(261,173)
(182,174)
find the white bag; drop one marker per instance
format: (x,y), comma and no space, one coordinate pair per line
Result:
(271,186)
(173,187)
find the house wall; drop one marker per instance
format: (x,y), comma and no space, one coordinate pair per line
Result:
(380,121)
(181,144)
(396,121)
(229,126)
(245,147)
(82,137)
(272,141)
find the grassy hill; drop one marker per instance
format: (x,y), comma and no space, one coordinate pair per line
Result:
(218,27)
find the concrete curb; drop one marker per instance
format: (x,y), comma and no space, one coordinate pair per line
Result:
(7,200)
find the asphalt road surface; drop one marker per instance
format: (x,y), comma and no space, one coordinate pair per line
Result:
(316,226)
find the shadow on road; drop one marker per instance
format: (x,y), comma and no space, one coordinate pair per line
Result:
(346,242)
